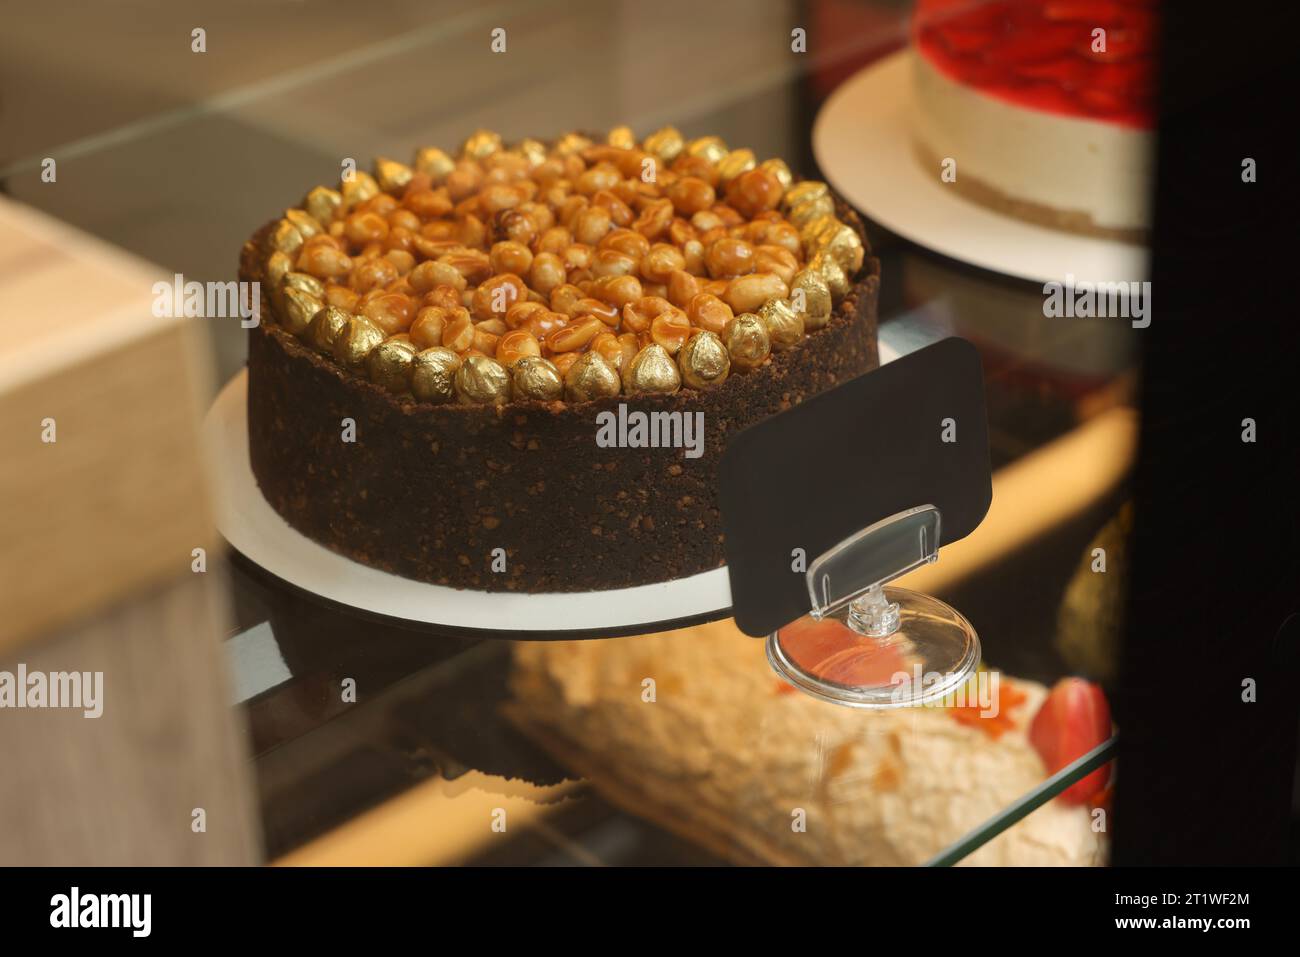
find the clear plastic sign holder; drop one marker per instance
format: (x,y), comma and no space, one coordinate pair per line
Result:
(866,645)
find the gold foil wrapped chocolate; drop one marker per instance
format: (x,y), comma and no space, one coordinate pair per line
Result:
(747,341)
(837,240)
(354,344)
(481,144)
(814,234)
(810,209)
(590,377)
(433,374)
(285,238)
(304,282)
(392,175)
(389,364)
(304,222)
(434,163)
(322,203)
(734,163)
(778,168)
(704,361)
(831,271)
(712,148)
(357,188)
(278,265)
(652,371)
(809,290)
(326,326)
(622,137)
(536,378)
(784,325)
(482,381)
(802,192)
(299,310)
(666,144)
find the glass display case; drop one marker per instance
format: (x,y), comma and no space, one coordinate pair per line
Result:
(379,741)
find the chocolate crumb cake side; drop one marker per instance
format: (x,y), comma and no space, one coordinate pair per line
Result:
(431,430)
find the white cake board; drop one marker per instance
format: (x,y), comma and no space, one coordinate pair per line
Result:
(257,531)
(863,142)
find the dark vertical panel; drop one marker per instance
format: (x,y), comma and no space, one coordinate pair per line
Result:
(1205,778)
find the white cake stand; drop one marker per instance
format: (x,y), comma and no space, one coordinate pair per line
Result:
(258,532)
(863,142)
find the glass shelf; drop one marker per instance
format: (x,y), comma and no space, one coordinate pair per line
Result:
(181,172)
(1015,812)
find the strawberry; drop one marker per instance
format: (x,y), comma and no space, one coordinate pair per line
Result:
(1073,720)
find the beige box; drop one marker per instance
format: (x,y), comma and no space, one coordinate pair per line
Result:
(102,505)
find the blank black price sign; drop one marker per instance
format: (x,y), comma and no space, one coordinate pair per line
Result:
(913,432)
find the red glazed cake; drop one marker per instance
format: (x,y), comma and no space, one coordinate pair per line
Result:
(516,368)
(1045,108)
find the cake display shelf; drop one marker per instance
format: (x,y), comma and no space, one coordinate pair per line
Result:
(863,141)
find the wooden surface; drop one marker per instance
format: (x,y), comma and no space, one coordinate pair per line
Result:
(121,789)
(436,822)
(98,528)
(1037,493)
(117,502)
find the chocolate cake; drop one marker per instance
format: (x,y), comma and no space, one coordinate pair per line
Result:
(493,442)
